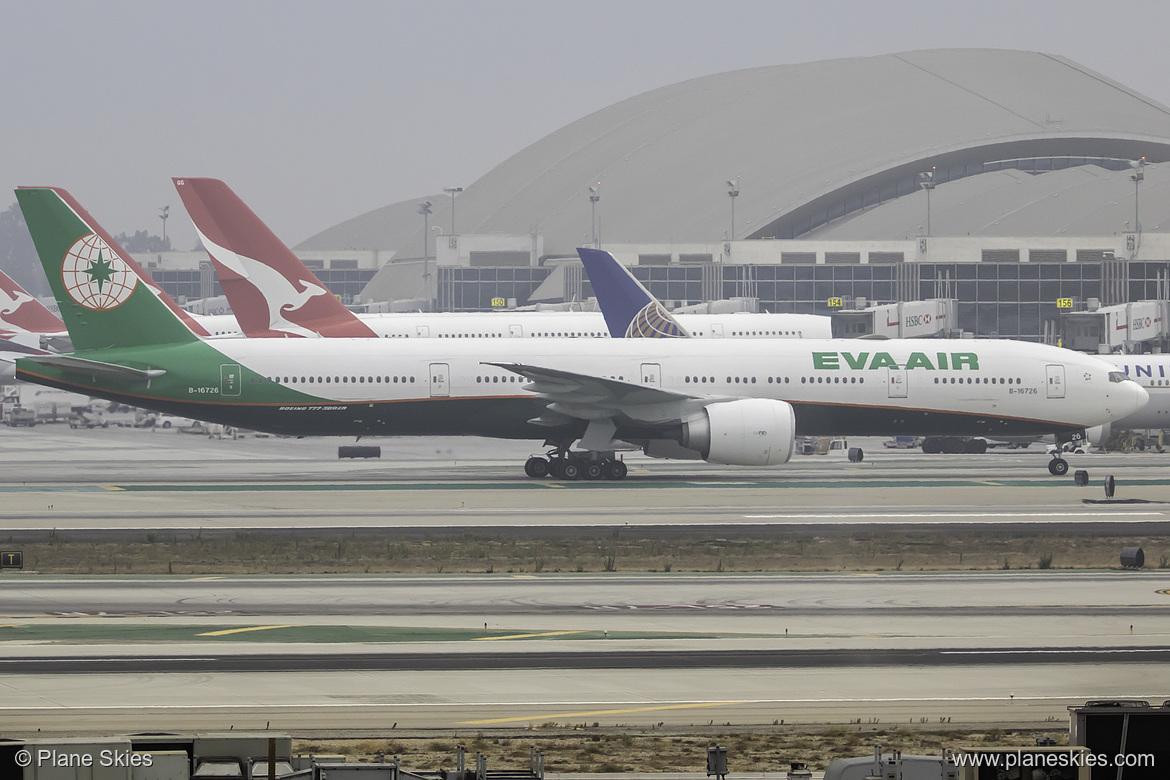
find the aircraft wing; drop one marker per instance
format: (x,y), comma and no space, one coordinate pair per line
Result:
(78,365)
(589,397)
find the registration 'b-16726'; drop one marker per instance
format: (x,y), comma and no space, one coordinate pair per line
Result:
(738,402)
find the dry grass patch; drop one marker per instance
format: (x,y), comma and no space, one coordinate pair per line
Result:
(643,750)
(385,552)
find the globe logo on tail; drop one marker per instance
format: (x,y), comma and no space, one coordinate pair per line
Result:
(95,276)
(653,322)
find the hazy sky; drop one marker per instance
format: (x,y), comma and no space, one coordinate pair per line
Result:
(315,112)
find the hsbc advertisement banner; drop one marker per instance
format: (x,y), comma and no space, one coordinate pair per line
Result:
(923,318)
(1145,320)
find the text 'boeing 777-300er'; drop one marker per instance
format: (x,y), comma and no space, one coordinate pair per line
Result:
(731,401)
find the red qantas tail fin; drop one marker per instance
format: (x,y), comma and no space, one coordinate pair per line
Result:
(271,291)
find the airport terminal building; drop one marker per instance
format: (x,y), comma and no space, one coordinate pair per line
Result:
(1021,185)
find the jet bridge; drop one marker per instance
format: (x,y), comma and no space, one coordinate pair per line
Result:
(1126,327)
(932,318)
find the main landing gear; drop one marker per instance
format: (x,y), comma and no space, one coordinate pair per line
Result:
(562,464)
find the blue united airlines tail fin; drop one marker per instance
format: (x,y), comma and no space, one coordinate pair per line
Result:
(630,310)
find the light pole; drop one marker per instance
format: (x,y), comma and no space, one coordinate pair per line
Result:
(733,192)
(926,182)
(452,191)
(424,208)
(166,212)
(1137,177)
(594,196)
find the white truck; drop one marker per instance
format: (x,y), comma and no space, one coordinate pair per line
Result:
(46,403)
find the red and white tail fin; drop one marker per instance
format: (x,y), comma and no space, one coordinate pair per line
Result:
(22,313)
(98,230)
(270,290)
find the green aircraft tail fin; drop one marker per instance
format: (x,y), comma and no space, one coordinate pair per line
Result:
(103,301)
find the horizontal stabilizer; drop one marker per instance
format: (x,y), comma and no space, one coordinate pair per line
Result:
(96,368)
(17,343)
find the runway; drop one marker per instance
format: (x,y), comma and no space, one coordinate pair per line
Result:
(306,653)
(128,480)
(310,653)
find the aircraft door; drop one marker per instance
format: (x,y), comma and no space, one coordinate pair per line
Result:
(229,379)
(651,375)
(422,331)
(1055,381)
(440,380)
(516,331)
(716,330)
(897,382)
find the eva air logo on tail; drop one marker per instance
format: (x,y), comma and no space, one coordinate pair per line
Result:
(95,276)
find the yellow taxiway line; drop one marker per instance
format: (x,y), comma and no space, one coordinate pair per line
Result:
(242,630)
(598,712)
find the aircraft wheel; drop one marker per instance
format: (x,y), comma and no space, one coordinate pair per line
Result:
(593,470)
(536,467)
(953,445)
(616,470)
(1058,467)
(570,470)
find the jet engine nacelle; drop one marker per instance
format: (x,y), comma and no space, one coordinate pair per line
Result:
(748,432)
(1099,434)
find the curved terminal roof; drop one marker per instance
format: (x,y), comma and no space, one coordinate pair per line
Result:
(1083,201)
(811,144)
(384,228)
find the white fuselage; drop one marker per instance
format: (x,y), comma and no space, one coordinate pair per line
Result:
(832,383)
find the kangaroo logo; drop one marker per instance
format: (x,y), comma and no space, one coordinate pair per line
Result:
(284,296)
(12,300)
(94,276)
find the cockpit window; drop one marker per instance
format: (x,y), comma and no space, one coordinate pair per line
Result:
(1118,376)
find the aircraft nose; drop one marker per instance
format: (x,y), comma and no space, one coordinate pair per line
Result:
(1137,396)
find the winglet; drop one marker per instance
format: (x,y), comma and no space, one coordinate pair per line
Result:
(271,291)
(630,311)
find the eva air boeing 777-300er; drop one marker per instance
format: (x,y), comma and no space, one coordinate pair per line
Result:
(737,402)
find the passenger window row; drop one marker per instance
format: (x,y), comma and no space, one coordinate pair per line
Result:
(833,380)
(976,380)
(339,380)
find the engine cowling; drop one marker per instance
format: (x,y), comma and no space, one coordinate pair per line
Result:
(1099,434)
(747,432)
